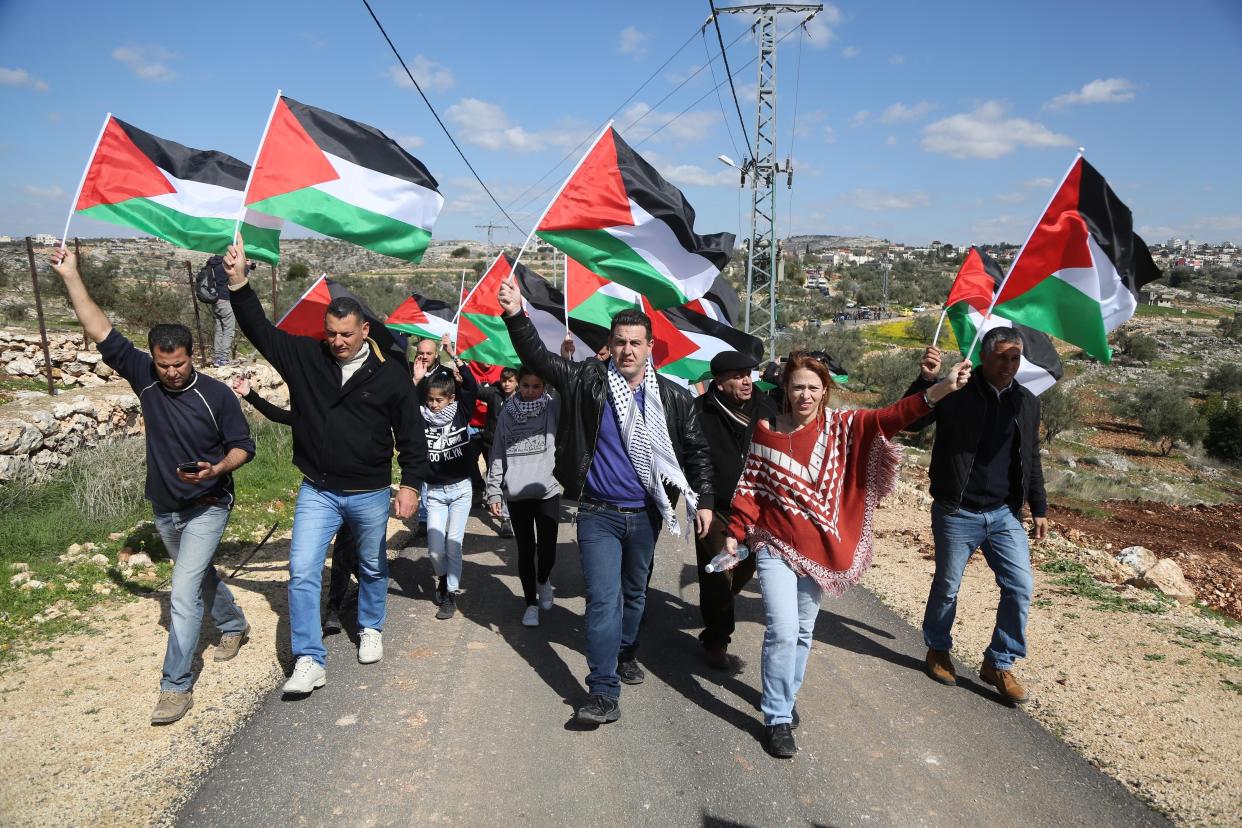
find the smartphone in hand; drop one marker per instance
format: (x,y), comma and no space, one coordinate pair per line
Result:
(189,468)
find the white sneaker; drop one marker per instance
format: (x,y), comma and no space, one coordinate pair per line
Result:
(530,618)
(307,675)
(370,646)
(545,595)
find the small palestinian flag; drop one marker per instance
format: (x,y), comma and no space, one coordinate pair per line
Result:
(344,179)
(968,301)
(422,317)
(1078,275)
(187,197)
(305,318)
(594,300)
(481,332)
(686,341)
(619,218)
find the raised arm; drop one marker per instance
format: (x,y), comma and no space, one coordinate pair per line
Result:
(916,407)
(94,320)
(556,370)
(278,347)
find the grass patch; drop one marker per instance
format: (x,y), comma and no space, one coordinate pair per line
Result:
(1153,656)
(1199,637)
(1224,658)
(1235,686)
(1077,580)
(1154,310)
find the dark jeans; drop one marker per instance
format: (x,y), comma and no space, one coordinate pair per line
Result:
(344,564)
(716,589)
(531,518)
(617,550)
(478,448)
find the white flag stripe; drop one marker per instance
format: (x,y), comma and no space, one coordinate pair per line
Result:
(395,198)
(656,243)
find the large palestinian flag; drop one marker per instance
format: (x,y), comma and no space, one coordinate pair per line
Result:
(1078,275)
(344,179)
(187,197)
(423,317)
(968,302)
(619,218)
(305,318)
(686,341)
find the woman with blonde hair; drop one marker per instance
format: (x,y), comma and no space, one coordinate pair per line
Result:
(804,506)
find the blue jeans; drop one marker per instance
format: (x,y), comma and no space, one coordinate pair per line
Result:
(422,503)
(319,514)
(617,549)
(790,608)
(191,537)
(1001,536)
(448,509)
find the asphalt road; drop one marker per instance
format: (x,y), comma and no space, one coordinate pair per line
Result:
(469,722)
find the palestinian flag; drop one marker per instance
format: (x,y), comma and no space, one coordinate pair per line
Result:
(686,341)
(969,300)
(720,302)
(305,318)
(187,197)
(1078,275)
(344,179)
(619,218)
(481,332)
(423,318)
(594,300)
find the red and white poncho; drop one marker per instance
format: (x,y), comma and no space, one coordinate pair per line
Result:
(809,496)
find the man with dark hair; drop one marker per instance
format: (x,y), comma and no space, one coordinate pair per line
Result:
(196,437)
(350,403)
(627,446)
(728,412)
(985,467)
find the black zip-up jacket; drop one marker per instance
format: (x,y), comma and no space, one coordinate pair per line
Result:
(959,422)
(727,439)
(583,387)
(343,437)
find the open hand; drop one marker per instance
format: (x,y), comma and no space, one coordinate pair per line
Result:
(235,261)
(510,296)
(241,385)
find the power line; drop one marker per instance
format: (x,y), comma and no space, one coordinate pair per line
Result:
(716,20)
(793,130)
(436,115)
(719,100)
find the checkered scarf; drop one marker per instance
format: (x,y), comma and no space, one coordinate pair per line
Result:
(521,410)
(438,419)
(648,445)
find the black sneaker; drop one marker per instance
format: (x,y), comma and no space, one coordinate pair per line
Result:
(441,591)
(630,673)
(780,741)
(599,709)
(447,607)
(421,530)
(797,720)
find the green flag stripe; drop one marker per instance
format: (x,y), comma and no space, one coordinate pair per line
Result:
(496,348)
(206,235)
(689,369)
(608,256)
(599,309)
(316,210)
(1059,309)
(963,326)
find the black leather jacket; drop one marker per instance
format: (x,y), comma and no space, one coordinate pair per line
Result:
(959,425)
(583,387)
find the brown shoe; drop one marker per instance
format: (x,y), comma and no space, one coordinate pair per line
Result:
(171,707)
(230,643)
(940,667)
(717,657)
(1004,682)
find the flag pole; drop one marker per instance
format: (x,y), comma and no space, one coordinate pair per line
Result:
(1001,288)
(461,294)
(565,289)
(939,325)
(241,211)
(73,205)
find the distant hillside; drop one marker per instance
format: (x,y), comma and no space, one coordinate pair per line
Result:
(818,243)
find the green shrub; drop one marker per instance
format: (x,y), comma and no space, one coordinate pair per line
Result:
(922,328)
(1226,379)
(1059,411)
(1167,417)
(890,373)
(1224,432)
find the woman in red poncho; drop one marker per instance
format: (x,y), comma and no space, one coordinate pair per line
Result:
(804,506)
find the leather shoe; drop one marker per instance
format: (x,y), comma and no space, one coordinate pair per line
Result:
(599,709)
(630,673)
(717,657)
(1004,682)
(940,667)
(780,741)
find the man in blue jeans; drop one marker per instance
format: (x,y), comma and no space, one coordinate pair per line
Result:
(196,437)
(350,404)
(628,445)
(985,468)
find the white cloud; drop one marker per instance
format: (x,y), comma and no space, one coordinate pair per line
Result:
(692,175)
(55,117)
(43,192)
(892,141)
(676,77)
(1104,90)
(1213,229)
(1038,182)
(876,200)
(860,117)
(899,112)
(851,51)
(20,77)
(315,42)
(897,60)
(692,126)
(808,121)
(148,62)
(1011,198)
(486,125)
(632,42)
(431,76)
(987,133)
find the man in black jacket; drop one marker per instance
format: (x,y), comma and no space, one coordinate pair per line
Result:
(727,411)
(984,468)
(349,403)
(627,446)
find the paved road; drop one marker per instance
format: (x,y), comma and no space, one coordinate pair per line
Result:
(468,722)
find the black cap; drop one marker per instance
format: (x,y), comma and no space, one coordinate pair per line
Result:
(726,361)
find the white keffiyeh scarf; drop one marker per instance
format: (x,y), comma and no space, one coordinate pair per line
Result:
(441,418)
(648,445)
(521,410)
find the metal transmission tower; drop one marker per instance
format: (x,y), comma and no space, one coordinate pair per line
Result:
(489,227)
(761,252)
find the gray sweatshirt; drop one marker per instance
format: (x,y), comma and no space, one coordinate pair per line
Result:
(523,456)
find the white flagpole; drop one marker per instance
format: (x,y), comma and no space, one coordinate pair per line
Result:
(461,298)
(565,289)
(73,205)
(979,333)
(241,212)
(943,313)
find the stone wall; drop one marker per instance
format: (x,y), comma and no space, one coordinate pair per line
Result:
(73,366)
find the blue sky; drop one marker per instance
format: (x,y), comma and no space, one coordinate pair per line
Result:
(914,121)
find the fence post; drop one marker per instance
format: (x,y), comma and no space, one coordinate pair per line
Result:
(47,354)
(198,322)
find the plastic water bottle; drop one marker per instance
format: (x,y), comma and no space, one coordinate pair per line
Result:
(725,561)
